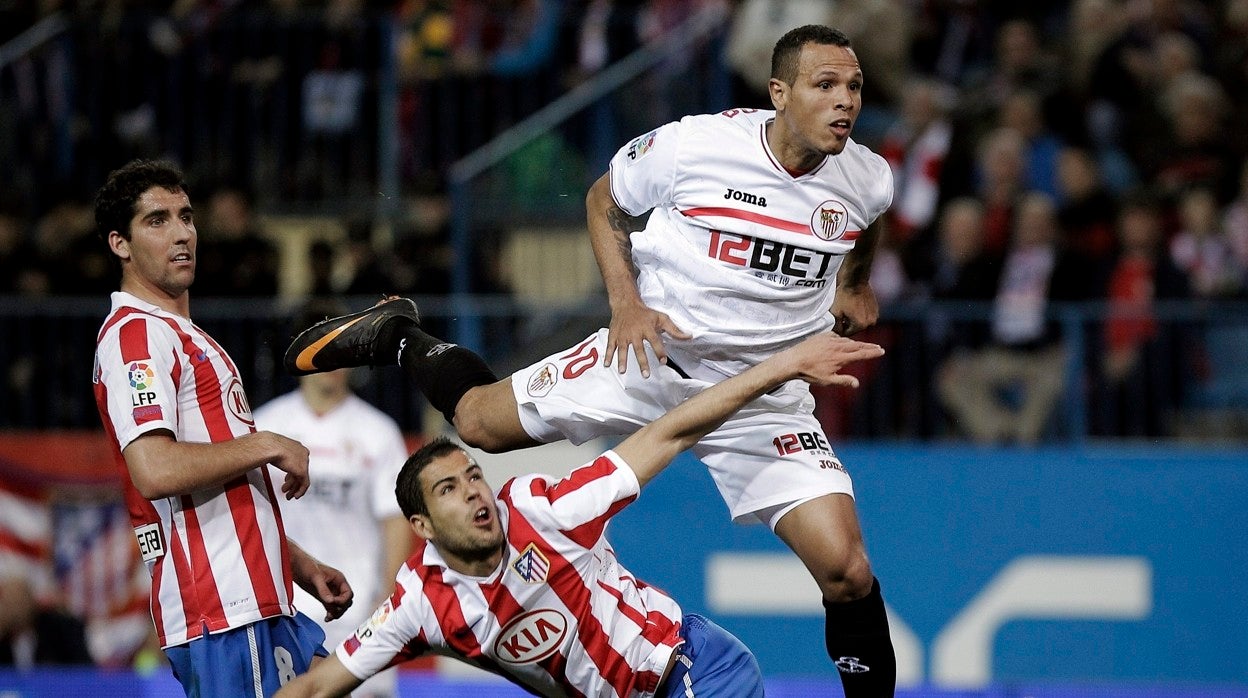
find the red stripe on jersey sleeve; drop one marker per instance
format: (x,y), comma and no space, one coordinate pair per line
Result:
(566,582)
(133,339)
(582,476)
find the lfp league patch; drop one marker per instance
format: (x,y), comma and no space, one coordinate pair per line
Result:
(641,145)
(144,407)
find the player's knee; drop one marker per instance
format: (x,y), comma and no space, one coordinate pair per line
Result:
(477,425)
(845,577)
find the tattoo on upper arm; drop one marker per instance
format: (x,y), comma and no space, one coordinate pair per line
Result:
(624,224)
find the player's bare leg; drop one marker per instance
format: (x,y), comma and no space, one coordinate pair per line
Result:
(487,417)
(826,536)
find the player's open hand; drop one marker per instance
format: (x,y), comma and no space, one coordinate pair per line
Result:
(631,328)
(819,359)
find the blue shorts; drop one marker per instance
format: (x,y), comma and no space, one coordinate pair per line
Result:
(251,661)
(711,662)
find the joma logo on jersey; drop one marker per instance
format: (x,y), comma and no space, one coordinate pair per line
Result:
(746,198)
(531,565)
(531,637)
(807,266)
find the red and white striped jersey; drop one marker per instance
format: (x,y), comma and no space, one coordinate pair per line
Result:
(559,616)
(217,556)
(739,251)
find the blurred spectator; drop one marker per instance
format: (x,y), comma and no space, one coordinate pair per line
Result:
(1001,171)
(916,147)
(1006,391)
(1198,155)
(1020,64)
(1136,385)
(955,266)
(239,261)
(1021,111)
(1087,210)
(1202,250)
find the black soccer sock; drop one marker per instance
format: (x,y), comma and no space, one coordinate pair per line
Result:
(859,644)
(443,371)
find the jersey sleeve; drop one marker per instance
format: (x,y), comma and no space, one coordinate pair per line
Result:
(582,503)
(643,172)
(392,635)
(391,453)
(884,187)
(139,367)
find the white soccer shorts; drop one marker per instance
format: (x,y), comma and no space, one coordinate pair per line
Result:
(770,454)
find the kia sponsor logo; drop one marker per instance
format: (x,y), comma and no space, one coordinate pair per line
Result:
(531,637)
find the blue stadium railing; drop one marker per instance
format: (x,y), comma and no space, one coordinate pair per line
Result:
(1193,379)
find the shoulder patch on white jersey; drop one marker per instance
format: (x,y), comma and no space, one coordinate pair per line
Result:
(143,397)
(642,145)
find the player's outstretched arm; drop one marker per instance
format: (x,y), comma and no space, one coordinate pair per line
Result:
(633,323)
(326,678)
(817,360)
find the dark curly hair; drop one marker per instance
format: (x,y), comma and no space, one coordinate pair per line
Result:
(115,202)
(789,47)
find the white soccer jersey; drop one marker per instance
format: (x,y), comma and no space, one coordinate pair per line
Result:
(738,251)
(559,615)
(217,556)
(355,454)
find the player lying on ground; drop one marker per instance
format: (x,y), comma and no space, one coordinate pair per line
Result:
(524,584)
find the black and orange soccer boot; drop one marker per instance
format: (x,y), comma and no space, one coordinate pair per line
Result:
(357,339)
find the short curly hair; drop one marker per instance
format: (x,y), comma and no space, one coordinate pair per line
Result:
(789,47)
(116,201)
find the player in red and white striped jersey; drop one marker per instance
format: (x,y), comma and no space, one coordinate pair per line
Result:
(526,585)
(204,511)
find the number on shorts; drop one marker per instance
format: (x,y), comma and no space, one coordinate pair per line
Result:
(285,665)
(583,358)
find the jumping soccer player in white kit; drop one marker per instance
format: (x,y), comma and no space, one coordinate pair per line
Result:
(761,234)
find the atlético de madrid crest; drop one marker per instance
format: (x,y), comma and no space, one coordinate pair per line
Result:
(829,220)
